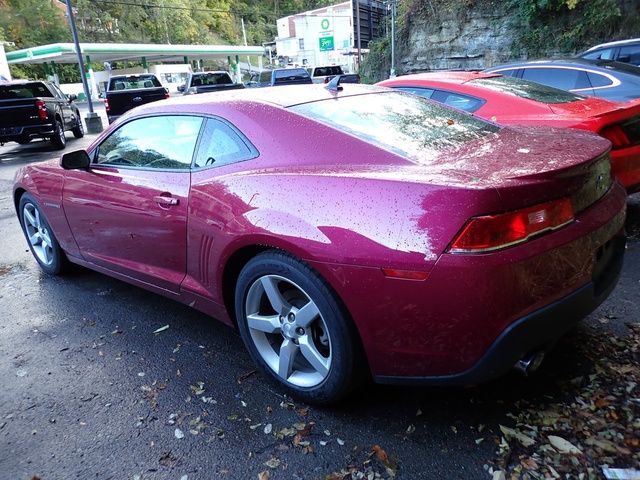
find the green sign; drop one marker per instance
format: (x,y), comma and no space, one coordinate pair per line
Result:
(324,24)
(326,44)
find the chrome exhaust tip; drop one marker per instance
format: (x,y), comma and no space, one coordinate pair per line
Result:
(530,363)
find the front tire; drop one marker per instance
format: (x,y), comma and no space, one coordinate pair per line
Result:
(42,242)
(59,139)
(296,330)
(24,140)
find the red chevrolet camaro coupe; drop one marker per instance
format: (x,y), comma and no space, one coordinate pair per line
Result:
(512,101)
(346,233)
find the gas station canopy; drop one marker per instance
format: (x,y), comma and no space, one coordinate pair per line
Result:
(113,52)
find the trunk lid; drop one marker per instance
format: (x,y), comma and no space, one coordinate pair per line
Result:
(16,113)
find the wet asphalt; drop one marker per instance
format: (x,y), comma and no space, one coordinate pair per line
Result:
(90,392)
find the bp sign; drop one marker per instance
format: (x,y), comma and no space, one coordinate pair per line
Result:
(324,24)
(326,44)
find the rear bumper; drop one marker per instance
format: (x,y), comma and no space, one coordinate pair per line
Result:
(12,134)
(537,331)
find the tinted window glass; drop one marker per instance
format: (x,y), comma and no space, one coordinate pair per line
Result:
(402,123)
(327,71)
(423,92)
(134,82)
(265,76)
(28,90)
(508,73)
(291,73)
(563,78)
(606,54)
(598,80)
(463,102)
(221,145)
(528,90)
(153,142)
(630,53)
(210,79)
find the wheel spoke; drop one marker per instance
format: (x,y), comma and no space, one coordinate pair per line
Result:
(264,323)
(46,239)
(288,352)
(307,314)
(37,219)
(270,286)
(46,254)
(29,217)
(35,238)
(313,356)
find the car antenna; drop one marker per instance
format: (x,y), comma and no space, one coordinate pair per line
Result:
(334,84)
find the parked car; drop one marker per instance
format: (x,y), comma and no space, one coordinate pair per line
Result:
(35,109)
(619,82)
(512,101)
(125,92)
(323,74)
(626,51)
(280,76)
(346,260)
(205,82)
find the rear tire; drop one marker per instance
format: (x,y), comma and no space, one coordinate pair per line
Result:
(295,329)
(42,242)
(58,140)
(24,141)
(78,130)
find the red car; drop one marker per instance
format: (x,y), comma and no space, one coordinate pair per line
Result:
(512,101)
(346,233)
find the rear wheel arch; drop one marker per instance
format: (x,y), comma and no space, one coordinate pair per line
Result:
(243,255)
(17,195)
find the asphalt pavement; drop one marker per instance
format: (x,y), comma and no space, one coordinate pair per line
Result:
(90,391)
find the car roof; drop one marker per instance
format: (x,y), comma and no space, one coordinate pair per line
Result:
(448,77)
(607,65)
(21,82)
(615,43)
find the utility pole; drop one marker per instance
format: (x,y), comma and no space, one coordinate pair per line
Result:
(392,73)
(94,123)
(244,37)
(358,43)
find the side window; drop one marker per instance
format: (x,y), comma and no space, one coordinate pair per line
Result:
(57,92)
(222,145)
(563,78)
(605,54)
(265,76)
(598,80)
(462,102)
(153,142)
(423,92)
(509,73)
(630,54)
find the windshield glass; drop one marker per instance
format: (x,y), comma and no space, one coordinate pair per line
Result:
(526,89)
(210,79)
(28,90)
(134,82)
(405,124)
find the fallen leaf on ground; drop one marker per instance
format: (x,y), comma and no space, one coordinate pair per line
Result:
(161,329)
(563,446)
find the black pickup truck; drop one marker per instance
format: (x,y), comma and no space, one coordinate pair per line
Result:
(37,109)
(205,82)
(125,92)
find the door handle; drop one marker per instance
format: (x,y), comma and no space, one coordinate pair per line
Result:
(165,200)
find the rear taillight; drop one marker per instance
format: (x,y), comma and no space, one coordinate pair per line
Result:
(616,135)
(493,232)
(41,105)
(106,104)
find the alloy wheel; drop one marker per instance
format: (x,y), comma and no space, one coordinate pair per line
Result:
(38,234)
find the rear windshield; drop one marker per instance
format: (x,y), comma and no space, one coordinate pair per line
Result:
(291,74)
(405,124)
(327,71)
(29,90)
(211,79)
(526,89)
(134,82)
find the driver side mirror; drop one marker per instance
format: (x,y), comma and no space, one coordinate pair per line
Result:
(72,97)
(77,160)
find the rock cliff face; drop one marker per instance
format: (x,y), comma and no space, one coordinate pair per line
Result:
(475,37)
